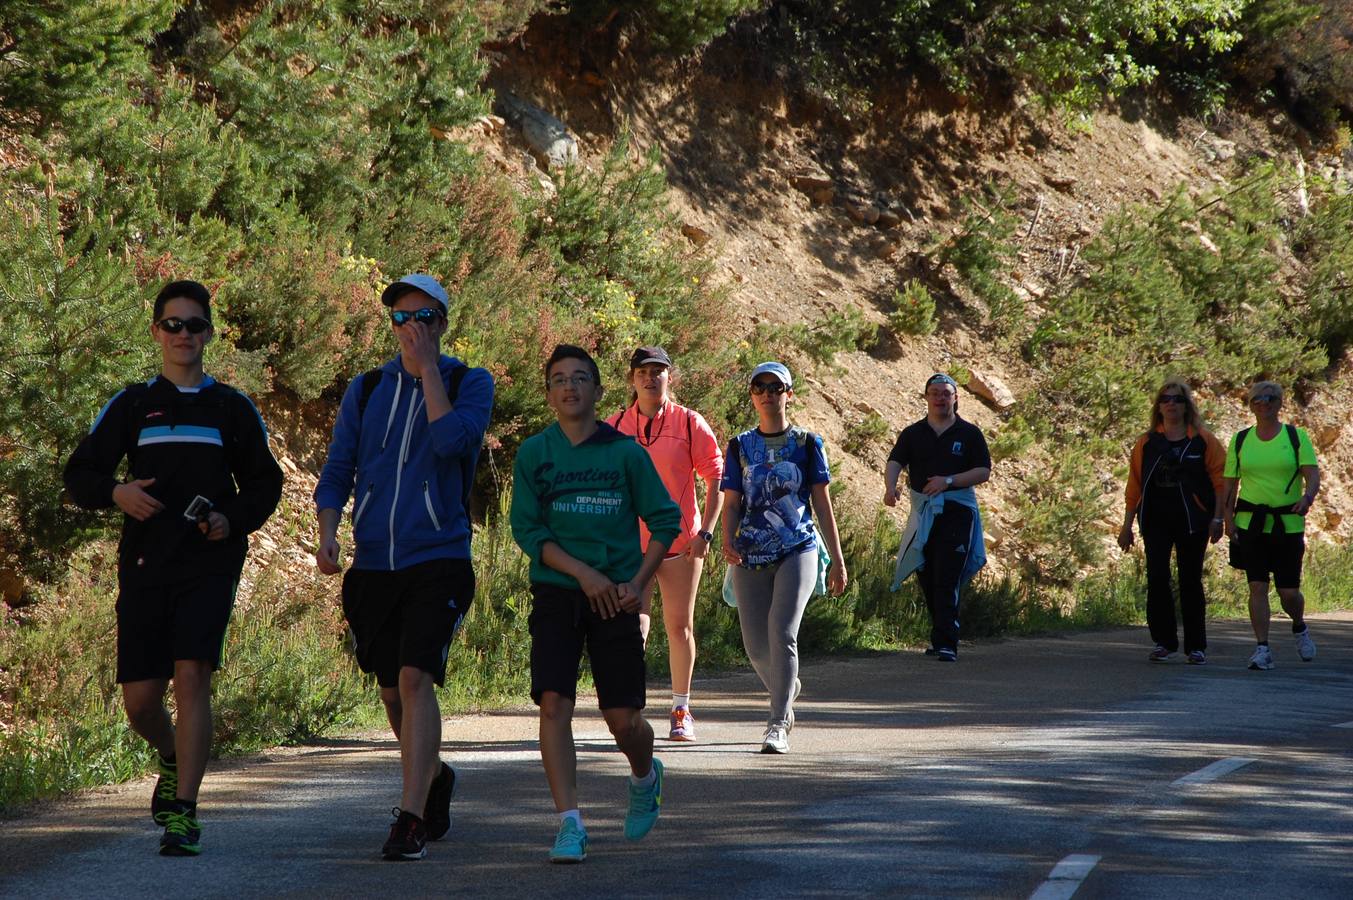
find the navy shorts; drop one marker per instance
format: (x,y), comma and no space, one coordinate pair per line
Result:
(562,622)
(158,624)
(407,617)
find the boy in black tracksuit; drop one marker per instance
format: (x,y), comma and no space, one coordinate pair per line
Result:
(200,478)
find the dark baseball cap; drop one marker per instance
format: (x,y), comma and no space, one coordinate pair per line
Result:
(645,355)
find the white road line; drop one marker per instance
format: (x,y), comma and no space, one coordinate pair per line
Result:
(1343,725)
(1214,771)
(1066,877)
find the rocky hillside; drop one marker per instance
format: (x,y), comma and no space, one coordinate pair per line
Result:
(811,212)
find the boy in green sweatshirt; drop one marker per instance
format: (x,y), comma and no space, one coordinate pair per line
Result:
(578,490)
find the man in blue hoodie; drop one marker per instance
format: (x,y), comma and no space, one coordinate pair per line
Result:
(407,438)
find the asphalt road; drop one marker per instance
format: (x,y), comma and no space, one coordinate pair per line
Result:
(1034,767)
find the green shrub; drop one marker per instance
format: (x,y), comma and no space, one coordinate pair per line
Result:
(1071,52)
(1058,515)
(863,435)
(72,331)
(676,26)
(982,251)
(913,310)
(1012,439)
(836,332)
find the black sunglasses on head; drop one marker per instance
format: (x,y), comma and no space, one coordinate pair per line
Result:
(768,387)
(427,315)
(173,324)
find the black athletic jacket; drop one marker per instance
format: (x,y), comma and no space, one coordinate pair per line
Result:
(210,442)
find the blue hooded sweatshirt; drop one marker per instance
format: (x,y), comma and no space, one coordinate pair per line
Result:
(411,477)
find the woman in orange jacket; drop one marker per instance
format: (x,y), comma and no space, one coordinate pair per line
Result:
(1175,493)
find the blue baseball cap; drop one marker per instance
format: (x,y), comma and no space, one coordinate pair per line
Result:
(773,368)
(941,378)
(425,283)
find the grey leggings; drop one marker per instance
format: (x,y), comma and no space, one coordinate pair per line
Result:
(770,606)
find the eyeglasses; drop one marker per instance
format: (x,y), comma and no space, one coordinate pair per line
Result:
(768,387)
(173,324)
(1265,398)
(578,380)
(427,315)
(1171,398)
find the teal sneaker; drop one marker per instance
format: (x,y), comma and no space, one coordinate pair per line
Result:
(164,800)
(182,834)
(570,844)
(645,804)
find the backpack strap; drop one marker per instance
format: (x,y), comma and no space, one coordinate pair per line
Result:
(369,380)
(372,377)
(1292,438)
(1296,454)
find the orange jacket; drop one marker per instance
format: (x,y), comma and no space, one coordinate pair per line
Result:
(682,445)
(1214,460)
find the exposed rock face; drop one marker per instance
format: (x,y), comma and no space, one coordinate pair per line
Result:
(991,390)
(695,234)
(548,137)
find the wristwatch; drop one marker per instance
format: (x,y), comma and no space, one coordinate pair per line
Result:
(708,536)
(948,481)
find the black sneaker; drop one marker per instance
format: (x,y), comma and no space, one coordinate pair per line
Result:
(163,801)
(182,833)
(437,810)
(407,837)
(944,654)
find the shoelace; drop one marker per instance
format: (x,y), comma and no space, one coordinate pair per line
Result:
(180,824)
(169,783)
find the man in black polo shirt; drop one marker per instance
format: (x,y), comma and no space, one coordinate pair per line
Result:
(945,457)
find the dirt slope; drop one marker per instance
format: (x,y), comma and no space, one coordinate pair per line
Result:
(736,147)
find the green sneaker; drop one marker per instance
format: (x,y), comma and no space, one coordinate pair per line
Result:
(182,834)
(163,801)
(570,844)
(645,804)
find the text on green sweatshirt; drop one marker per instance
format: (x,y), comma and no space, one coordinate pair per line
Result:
(588,499)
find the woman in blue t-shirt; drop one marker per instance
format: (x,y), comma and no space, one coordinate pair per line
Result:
(770,475)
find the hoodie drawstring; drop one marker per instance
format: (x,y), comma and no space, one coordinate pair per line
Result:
(399,385)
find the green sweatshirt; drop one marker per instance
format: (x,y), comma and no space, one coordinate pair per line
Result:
(588,499)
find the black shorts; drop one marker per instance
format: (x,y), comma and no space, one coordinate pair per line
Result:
(160,623)
(1280,554)
(561,621)
(407,617)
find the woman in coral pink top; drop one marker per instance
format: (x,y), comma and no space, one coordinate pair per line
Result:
(682,447)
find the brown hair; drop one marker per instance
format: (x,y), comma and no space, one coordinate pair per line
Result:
(1192,418)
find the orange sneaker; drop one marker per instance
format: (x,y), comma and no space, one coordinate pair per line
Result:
(683,725)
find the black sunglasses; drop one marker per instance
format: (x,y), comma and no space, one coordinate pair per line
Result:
(768,387)
(427,315)
(1264,398)
(1171,398)
(173,324)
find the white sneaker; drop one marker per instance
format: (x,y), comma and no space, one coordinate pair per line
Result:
(1261,658)
(776,739)
(1305,646)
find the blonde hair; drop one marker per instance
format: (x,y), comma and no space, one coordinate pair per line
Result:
(1191,415)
